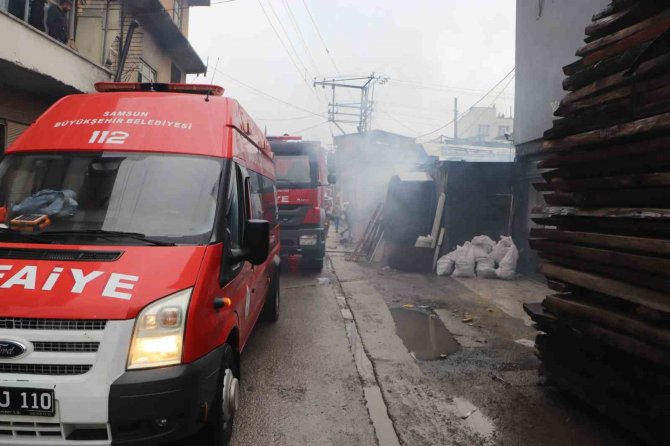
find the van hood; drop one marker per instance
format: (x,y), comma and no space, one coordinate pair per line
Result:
(92,282)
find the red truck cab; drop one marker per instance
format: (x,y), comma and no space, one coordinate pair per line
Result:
(139,245)
(302,182)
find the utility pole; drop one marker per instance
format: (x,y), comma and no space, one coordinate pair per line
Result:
(455,119)
(359,113)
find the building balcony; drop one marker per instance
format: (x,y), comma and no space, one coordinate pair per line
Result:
(32,61)
(153,15)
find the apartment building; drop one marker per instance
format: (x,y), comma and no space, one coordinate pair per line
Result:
(37,69)
(484,124)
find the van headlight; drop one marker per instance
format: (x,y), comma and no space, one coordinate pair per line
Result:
(158,337)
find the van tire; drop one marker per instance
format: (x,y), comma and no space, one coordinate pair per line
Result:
(218,431)
(271,307)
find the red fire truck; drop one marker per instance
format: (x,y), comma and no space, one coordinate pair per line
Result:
(138,247)
(302,182)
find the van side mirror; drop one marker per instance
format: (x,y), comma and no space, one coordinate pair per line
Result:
(257,241)
(332,178)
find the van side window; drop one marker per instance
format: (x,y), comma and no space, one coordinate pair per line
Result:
(256,182)
(269,201)
(236,208)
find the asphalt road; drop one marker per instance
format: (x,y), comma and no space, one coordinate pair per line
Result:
(299,380)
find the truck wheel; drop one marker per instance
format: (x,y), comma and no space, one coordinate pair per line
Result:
(271,307)
(219,428)
(312,264)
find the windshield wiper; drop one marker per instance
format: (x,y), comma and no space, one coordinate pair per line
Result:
(25,235)
(111,234)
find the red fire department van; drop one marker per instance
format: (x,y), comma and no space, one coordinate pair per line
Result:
(138,247)
(302,182)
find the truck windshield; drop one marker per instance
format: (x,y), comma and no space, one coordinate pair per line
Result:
(77,197)
(296,171)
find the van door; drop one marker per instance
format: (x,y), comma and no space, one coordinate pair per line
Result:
(254,191)
(240,281)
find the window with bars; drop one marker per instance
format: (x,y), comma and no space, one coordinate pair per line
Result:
(178,12)
(145,73)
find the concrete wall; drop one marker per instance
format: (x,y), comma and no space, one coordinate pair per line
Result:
(27,48)
(546,40)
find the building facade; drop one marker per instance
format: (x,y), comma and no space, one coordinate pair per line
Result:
(36,69)
(484,124)
(547,33)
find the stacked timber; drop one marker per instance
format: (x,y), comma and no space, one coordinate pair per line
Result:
(604,236)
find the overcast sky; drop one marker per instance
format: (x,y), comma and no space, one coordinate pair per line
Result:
(431,50)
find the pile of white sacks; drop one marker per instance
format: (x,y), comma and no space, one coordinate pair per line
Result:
(482,257)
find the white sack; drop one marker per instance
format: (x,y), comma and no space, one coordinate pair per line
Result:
(507,269)
(485,242)
(465,262)
(446,263)
(486,268)
(500,249)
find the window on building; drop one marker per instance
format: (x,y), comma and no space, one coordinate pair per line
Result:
(145,73)
(175,74)
(502,129)
(484,130)
(178,12)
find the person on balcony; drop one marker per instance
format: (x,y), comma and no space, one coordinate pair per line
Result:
(57,20)
(36,18)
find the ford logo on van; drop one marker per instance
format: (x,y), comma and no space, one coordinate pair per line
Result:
(11,349)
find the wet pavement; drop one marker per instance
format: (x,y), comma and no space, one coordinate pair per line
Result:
(423,334)
(368,356)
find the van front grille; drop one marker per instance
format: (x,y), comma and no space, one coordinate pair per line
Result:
(66,347)
(51,324)
(45,369)
(60,254)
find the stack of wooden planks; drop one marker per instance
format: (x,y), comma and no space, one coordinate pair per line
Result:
(366,248)
(604,235)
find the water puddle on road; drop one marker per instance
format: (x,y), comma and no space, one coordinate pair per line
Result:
(424,334)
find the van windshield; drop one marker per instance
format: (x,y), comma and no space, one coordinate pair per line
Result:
(168,198)
(295,171)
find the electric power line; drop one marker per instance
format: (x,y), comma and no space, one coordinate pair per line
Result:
(274,98)
(296,27)
(288,38)
(309,128)
(474,105)
(316,27)
(286,48)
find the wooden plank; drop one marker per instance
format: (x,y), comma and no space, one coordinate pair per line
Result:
(658,23)
(649,264)
(627,243)
(654,162)
(622,226)
(649,298)
(637,128)
(646,70)
(625,198)
(648,92)
(613,8)
(609,319)
(604,25)
(580,75)
(642,35)
(624,274)
(600,183)
(626,151)
(627,213)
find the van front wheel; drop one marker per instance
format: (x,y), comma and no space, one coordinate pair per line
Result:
(219,428)
(271,308)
